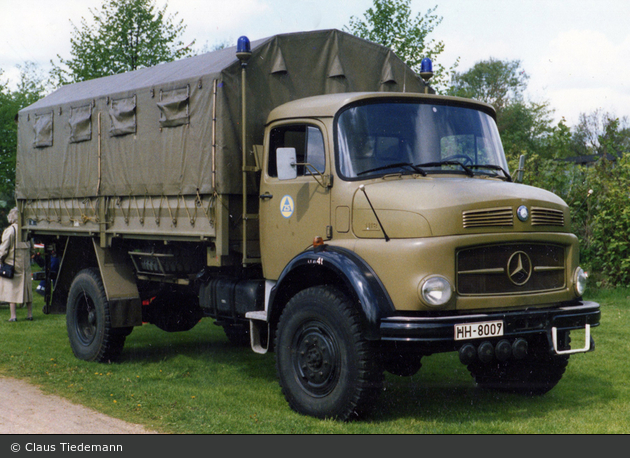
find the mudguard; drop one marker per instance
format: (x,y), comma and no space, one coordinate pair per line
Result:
(329,264)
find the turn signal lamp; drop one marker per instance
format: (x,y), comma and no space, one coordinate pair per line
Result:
(318,244)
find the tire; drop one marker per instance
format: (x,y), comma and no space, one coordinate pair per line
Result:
(88,321)
(534,375)
(327,369)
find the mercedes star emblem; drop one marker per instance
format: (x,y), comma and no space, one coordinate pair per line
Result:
(519,268)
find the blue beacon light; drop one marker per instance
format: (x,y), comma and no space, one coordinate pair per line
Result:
(243,45)
(243,50)
(426,69)
(426,72)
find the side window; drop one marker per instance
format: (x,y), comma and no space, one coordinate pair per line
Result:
(308,142)
(315,154)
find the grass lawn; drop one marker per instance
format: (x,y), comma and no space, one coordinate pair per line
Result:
(196,382)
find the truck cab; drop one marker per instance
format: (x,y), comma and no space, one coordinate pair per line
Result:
(421,228)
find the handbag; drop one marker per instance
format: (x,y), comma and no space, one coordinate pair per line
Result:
(8,270)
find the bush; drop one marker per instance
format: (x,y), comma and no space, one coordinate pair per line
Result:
(598,196)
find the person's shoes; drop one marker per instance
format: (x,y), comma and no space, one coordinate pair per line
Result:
(12,320)
(29,318)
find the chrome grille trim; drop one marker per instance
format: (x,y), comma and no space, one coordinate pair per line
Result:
(490,270)
(547,217)
(486,217)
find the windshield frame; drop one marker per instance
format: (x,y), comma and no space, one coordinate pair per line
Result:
(411,169)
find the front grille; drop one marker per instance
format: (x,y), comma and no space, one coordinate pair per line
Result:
(488,217)
(510,269)
(547,217)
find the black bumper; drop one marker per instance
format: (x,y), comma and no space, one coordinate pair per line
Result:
(439,331)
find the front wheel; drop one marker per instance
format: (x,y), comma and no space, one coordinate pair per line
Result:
(88,321)
(327,368)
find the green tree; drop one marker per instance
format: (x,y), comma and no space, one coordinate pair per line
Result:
(124,35)
(499,83)
(600,133)
(524,125)
(390,23)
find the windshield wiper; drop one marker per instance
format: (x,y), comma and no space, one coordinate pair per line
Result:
(466,168)
(415,168)
(506,176)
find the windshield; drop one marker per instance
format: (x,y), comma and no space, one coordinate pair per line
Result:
(417,137)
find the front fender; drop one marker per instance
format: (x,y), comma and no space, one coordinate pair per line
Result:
(338,266)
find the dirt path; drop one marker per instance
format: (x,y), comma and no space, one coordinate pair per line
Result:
(25,409)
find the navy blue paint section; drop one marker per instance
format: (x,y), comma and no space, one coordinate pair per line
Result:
(357,275)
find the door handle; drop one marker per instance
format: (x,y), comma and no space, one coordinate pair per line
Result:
(266,195)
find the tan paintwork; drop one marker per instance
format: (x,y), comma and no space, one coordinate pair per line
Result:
(286,232)
(423,216)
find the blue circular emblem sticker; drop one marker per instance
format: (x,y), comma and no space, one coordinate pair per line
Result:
(287,206)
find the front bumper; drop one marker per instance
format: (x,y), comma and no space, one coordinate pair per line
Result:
(437,333)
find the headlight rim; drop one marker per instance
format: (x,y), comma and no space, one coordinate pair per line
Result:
(424,294)
(580,278)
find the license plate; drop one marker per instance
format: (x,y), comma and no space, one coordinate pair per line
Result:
(467,331)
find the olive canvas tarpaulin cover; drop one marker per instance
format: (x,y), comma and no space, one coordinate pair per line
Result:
(151,131)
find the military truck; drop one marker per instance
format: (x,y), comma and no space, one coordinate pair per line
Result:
(314,196)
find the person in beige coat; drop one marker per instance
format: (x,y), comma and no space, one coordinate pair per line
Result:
(16,290)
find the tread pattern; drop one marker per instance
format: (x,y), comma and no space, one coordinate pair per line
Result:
(108,343)
(356,398)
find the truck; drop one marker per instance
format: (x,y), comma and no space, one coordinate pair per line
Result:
(316,198)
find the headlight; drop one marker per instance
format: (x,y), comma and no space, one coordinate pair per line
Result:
(435,291)
(579,280)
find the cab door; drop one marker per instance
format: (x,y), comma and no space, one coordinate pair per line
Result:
(293,212)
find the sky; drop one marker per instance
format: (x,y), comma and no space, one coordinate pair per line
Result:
(576,52)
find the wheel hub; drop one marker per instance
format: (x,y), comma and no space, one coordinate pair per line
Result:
(316,362)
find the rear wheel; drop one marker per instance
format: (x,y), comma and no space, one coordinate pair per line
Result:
(88,320)
(327,368)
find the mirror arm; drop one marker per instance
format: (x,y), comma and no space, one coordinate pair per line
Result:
(325,181)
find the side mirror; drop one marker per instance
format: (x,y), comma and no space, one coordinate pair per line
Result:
(286,163)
